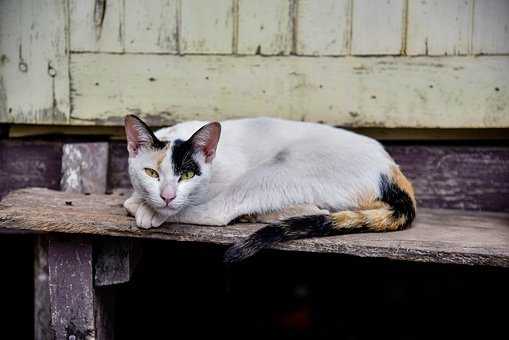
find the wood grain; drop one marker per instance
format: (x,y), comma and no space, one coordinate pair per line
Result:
(324,27)
(71,288)
(34,62)
(84,167)
(97,25)
(439,27)
(206,29)
(381,92)
(265,27)
(151,26)
(25,163)
(441,236)
(378,27)
(491,27)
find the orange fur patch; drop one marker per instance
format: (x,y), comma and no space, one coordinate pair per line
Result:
(159,157)
(372,213)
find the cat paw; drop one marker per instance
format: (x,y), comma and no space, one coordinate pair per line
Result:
(147,218)
(132,204)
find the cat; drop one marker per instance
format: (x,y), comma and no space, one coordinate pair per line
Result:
(303,179)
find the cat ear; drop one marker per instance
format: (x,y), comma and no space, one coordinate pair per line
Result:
(206,139)
(138,135)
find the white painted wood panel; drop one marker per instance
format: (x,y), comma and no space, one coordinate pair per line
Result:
(491,27)
(383,92)
(34,78)
(151,26)
(264,27)
(323,27)
(437,27)
(97,25)
(207,26)
(377,27)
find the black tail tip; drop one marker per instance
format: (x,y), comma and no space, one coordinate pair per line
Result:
(233,255)
(241,251)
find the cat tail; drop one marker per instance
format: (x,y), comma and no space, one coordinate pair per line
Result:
(394,209)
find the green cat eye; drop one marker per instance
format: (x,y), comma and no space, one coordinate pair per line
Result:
(187,175)
(152,173)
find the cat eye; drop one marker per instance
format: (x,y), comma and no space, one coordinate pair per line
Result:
(152,173)
(187,175)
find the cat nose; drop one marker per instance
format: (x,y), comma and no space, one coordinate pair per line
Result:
(168,196)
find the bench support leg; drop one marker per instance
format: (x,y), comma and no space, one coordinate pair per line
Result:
(78,309)
(42,329)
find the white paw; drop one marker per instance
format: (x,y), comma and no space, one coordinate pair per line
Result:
(132,204)
(146,217)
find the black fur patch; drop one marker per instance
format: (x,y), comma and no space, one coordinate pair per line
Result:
(399,200)
(290,229)
(181,158)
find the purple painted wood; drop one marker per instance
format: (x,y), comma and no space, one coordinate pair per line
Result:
(117,170)
(444,176)
(29,164)
(71,287)
(457,177)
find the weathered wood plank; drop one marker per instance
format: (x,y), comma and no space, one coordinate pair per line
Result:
(85,167)
(205,28)
(97,25)
(457,177)
(439,27)
(42,312)
(377,27)
(491,27)
(357,92)
(324,27)
(28,164)
(34,63)
(114,261)
(265,27)
(441,236)
(151,26)
(71,288)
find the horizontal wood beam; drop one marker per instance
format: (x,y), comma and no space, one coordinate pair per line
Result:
(117,132)
(418,92)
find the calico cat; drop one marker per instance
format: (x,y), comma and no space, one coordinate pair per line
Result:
(303,179)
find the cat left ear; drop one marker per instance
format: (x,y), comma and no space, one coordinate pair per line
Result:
(206,139)
(138,135)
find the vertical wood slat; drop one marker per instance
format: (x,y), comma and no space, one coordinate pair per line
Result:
(324,27)
(42,313)
(491,27)
(206,28)
(439,27)
(265,27)
(34,63)
(71,288)
(85,167)
(97,25)
(377,27)
(151,26)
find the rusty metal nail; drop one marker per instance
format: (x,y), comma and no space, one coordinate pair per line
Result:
(52,72)
(23,67)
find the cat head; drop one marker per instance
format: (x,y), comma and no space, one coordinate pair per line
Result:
(170,175)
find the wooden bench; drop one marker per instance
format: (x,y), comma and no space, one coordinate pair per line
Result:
(79,267)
